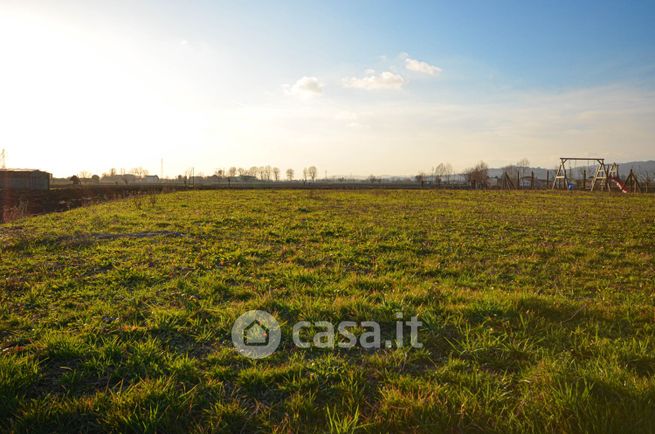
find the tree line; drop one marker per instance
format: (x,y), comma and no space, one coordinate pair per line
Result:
(262,173)
(266,173)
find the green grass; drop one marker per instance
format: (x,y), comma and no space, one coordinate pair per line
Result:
(538,312)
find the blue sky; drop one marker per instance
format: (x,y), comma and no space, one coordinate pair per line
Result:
(352,87)
(542,44)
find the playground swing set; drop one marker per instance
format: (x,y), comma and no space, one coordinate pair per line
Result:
(605,176)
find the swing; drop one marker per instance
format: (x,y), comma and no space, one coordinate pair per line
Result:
(598,180)
(570,184)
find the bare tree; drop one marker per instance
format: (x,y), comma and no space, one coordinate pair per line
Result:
(219,173)
(305,174)
(232,172)
(241,171)
(84,174)
(276,173)
(478,176)
(436,173)
(443,170)
(140,172)
(523,165)
(448,171)
(289,174)
(517,170)
(313,171)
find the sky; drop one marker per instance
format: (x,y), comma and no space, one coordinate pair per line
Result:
(351,87)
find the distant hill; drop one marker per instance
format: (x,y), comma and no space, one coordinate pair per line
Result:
(639,166)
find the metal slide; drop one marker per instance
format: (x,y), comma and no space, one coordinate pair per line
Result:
(620,184)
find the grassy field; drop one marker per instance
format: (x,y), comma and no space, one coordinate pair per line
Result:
(538,313)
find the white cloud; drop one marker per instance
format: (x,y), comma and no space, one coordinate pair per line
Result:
(422,67)
(373,81)
(305,88)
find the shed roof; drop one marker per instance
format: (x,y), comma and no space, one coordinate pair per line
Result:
(22,170)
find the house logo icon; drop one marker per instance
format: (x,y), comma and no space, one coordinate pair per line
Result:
(256,334)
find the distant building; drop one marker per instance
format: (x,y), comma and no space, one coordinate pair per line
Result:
(127,178)
(95,179)
(24,179)
(151,179)
(214,179)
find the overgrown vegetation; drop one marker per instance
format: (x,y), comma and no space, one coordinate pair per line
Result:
(537,308)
